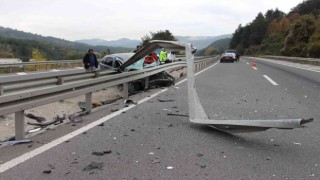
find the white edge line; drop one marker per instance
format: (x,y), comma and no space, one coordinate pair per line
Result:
(270,80)
(24,157)
(271,61)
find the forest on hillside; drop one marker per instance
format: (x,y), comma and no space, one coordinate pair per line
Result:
(26,46)
(276,33)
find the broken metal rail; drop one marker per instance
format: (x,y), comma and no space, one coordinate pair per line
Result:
(22,92)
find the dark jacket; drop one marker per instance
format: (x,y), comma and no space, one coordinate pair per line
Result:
(86,61)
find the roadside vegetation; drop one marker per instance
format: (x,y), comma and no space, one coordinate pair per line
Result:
(276,33)
(26,46)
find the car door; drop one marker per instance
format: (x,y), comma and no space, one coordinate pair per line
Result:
(107,63)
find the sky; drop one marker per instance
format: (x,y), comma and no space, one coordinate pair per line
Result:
(133,19)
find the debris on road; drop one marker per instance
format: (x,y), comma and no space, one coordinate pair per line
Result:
(14,142)
(168,100)
(114,110)
(174,114)
(56,120)
(169,167)
(34,130)
(47,172)
(93,165)
(37,118)
(127,102)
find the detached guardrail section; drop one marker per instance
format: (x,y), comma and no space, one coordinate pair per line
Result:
(295,59)
(22,92)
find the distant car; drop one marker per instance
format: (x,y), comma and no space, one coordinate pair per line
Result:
(233,51)
(228,57)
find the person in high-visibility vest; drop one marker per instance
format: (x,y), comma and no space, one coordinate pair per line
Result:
(163,56)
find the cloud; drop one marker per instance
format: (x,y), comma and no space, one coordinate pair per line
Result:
(109,19)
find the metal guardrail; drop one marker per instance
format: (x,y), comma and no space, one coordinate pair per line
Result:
(22,92)
(301,60)
(34,66)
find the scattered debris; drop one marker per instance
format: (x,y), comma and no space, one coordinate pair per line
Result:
(13,142)
(108,102)
(167,110)
(38,119)
(155,161)
(107,152)
(169,167)
(114,110)
(34,130)
(47,172)
(98,153)
(170,125)
(199,155)
(96,104)
(169,100)
(56,120)
(174,114)
(203,166)
(129,101)
(93,165)
(297,143)
(82,105)
(51,166)
(268,158)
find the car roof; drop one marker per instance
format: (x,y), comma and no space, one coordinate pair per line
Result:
(123,56)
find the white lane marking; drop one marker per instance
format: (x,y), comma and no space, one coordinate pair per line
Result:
(21,73)
(24,157)
(270,80)
(271,61)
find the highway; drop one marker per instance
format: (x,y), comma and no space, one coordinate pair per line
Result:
(144,142)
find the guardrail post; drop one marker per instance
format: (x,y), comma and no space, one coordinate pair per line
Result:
(60,80)
(96,74)
(88,102)
(146,83)
(125,92)
(19,125)
(1,90)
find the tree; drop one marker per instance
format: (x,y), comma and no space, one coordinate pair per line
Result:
(160,35)
(257,29)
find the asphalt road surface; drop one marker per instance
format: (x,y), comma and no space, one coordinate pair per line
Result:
(144,142)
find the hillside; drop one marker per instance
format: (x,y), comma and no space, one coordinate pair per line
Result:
(19,44)
(217,47)
(124,42)
(201,41)
(276,33)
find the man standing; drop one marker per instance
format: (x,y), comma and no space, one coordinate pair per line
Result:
(90,61)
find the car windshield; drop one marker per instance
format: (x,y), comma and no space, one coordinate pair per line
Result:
(229,54)
(124,56)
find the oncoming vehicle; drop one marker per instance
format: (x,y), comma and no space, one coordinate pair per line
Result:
(228,57)
(235,52)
